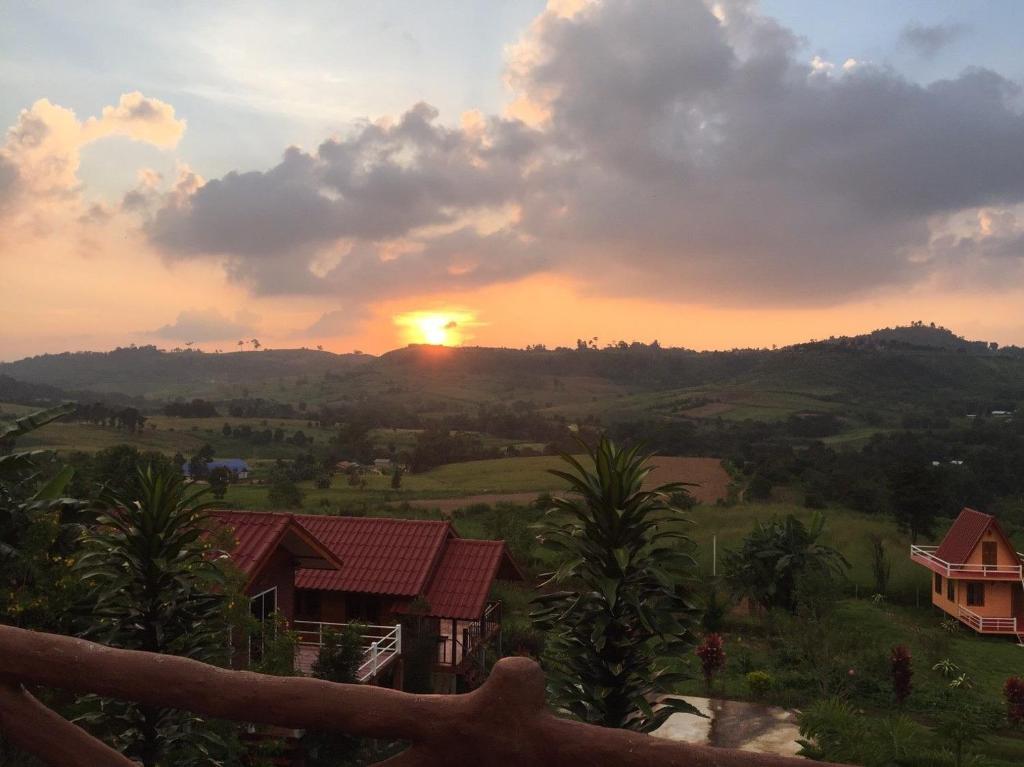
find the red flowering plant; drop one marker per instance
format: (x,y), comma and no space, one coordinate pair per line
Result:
(1013,691)
(901,672)
(712,657)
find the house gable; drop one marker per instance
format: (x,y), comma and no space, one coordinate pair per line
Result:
(962,544)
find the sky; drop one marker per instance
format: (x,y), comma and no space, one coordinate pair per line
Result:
(364,175)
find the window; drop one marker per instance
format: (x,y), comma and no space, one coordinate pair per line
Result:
(264,604)
(951,590)
(938,583)
(975,594)
(307,604)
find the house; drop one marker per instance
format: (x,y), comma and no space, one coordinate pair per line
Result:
(383,465)
(238,468)
(388,570)
(977,575)
(268,549)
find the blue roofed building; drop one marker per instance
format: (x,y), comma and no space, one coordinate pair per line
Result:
(239,469)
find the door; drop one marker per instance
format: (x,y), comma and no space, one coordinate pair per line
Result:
(988,553)
(1018,603)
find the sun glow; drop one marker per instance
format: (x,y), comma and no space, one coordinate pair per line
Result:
(437,328)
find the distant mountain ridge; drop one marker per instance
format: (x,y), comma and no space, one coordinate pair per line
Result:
(146,370)
(905,363)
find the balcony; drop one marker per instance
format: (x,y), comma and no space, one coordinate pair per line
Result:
(985,625)
(381,646)
(459,639)
(925,555)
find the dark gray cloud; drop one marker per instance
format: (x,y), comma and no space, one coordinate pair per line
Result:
(680,156)
(929,39)
(203,325)
(8,183)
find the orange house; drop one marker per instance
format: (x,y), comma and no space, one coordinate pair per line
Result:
(977,575)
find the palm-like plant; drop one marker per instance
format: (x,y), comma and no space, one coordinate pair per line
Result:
(156,587)
(622,605)
(38,527)
(775,556)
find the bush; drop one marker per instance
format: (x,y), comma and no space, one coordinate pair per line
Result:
(712,657)
(759,683)
(814,501)
(760,488)
(901,673)
(1013,692)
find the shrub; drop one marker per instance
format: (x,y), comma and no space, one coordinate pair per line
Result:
(759,683)
(714,611)
(901,673)
(712,657)
(1013,692)
(814,501)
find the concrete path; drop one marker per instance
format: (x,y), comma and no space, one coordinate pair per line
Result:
(735,724)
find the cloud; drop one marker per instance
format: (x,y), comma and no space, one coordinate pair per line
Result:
(927,40)
(651,148)
(8,183)
(202,325)
(45,143)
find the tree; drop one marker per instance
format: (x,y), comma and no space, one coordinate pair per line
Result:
(219,480)
(39,530)
(625,569)
(338,661)
(915,491)
(881,566)
(773,558)
(156,588)
(396,477)
(283,492)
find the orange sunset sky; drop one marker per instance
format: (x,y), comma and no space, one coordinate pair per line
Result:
(710,175)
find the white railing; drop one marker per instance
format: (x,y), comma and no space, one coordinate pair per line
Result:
(381,644)
(983,623)
(926,555)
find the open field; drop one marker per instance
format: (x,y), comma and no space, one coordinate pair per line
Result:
(500,480)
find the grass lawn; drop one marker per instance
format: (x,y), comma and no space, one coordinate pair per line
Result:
(863,634)
(846,531)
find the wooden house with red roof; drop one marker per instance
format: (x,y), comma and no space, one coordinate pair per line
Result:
(378,570)
(977,575)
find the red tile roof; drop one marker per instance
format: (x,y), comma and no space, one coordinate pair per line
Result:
(381,556)
(463,579)
(258,535)
(964,535)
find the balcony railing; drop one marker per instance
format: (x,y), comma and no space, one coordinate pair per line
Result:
(986,625)
(455,650)
(925,555)
(503,723)
(381,645)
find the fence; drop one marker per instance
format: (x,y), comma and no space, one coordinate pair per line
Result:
(504,723)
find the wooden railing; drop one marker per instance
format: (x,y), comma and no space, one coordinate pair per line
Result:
(926,556)
(504,723)
(985,624)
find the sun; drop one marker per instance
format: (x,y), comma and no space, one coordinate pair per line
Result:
(437,328)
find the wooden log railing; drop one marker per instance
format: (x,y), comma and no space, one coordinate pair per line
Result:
(505,722)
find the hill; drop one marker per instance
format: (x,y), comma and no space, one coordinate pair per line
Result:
(148,371)
(887,371)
